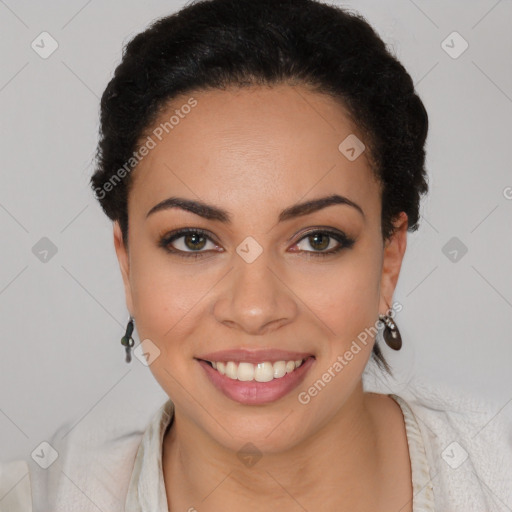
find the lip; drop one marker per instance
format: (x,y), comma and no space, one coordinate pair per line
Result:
(258,393)
(254,356)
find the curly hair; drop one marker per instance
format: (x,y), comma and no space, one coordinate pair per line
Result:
(216,44)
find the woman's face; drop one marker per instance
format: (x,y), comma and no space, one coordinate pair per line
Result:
(257,278)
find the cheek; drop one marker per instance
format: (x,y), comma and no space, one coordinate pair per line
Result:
(168,299)
(344,295)
(157,296)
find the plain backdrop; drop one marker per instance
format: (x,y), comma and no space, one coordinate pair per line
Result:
(61,319)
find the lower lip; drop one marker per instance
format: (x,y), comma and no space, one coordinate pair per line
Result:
(257,393)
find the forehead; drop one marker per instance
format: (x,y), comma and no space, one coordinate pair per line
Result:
(245,144)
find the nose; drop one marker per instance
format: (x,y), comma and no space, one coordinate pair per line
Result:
(256,298)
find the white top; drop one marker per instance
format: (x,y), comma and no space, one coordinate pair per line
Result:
(460,449)
(422,490)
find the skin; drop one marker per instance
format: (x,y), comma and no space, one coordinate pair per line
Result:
(255,152)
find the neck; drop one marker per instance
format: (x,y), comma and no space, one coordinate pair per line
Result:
(340,463)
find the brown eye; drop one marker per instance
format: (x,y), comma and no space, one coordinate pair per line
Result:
(319,241)
(194,241)
(187,242)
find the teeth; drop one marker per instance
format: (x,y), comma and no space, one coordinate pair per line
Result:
(261,372)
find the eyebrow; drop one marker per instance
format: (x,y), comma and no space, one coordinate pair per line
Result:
(214,213)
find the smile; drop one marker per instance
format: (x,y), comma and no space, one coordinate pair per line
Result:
(260,372)
(256,383)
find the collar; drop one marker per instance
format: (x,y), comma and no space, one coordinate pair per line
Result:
(146,490)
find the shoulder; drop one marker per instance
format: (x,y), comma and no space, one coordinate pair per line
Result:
(467,441)
(97,457)
(91,470)
(470,420)
(15,489)
(90,465)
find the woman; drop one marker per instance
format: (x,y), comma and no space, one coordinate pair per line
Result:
(262,163)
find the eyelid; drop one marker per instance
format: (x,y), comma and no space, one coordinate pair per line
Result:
(321,229)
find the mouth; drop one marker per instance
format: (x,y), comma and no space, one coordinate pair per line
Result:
(256,383)
(261,372)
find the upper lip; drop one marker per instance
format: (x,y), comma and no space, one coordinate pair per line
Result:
(254,356)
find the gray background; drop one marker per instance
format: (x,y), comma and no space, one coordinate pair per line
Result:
(61,320)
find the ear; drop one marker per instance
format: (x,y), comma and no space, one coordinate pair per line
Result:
(392,262)
(123,258)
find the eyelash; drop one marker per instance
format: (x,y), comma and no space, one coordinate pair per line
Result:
(344,241)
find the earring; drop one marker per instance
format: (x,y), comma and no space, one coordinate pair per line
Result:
(391,333)
(127,340)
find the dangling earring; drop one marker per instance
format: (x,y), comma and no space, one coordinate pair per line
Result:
(127,340)
(391,333)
